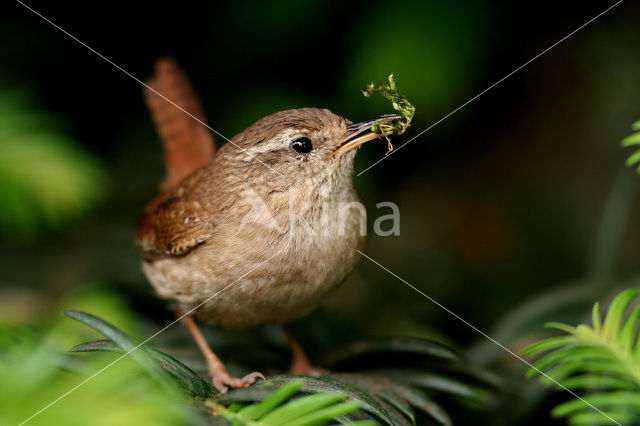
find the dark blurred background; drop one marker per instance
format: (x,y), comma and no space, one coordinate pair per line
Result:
(518,199)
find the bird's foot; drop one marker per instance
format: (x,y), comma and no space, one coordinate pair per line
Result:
(222,380)
(301,366)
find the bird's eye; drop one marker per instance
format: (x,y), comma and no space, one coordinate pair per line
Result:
(302,145)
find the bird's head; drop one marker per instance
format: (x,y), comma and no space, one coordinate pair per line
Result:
(300,147)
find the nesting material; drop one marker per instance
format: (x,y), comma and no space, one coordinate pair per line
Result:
(399,103)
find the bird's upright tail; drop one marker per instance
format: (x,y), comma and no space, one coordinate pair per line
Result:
(180,121)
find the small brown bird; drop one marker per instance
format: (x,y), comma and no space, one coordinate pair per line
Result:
(263,230)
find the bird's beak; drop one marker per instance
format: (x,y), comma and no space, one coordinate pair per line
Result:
(360,133)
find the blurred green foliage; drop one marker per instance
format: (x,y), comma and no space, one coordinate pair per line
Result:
(46,179)
(395,381)
(633,140)
(514,210)
(309,410)
(602,361)
(36,372)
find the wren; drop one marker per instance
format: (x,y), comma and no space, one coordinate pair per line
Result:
(260,234)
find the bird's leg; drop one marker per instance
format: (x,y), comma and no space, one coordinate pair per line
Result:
(222,380)
(300,364)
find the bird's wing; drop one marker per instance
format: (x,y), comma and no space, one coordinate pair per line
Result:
(180,121)
(171,225)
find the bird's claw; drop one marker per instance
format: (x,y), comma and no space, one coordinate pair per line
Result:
(222,380)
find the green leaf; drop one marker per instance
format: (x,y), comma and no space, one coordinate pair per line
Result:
(595,418)
(562,371)
(547,344)
(548,360)
(633,159)
(314,409)
(633,139)
(600,401)
(326,414)
(301,407)
(590,381)
(562,327)
(615,313)
(434,382)
(595,318)
(378,385)
(257,392)
(356,416)
(186,377)
(254,412)
(628,333)
(328,384)
(419,400)
(125,343)
(601,360)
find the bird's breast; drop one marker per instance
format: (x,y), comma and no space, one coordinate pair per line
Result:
(269,268)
